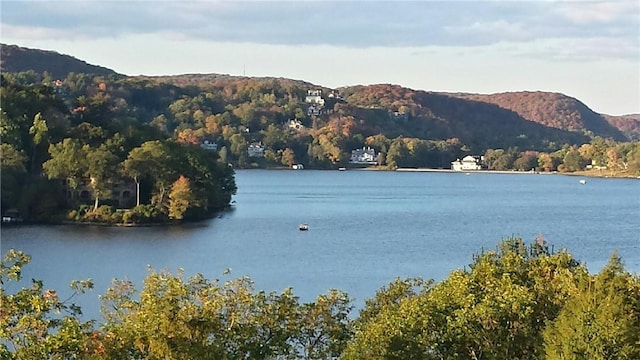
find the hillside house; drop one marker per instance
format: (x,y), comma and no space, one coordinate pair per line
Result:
(315,101)
(209,145)
(466,164)
(366,155)
(397,115)
(256,150)
(335,95)
(314,97)
(314,110)
(295,124)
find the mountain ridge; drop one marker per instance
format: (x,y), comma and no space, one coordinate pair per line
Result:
(549,109)
(14,58)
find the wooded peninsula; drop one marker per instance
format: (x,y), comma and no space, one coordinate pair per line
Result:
(109,148)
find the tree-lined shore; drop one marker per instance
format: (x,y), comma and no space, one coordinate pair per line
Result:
(125,150)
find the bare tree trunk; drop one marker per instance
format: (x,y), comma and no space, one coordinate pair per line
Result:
(137,191)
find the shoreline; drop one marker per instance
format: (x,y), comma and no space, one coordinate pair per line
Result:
(436,170)
(516,172)
(472,171)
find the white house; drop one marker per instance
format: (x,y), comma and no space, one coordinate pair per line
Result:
(209,145)
(366,155)
(594,165)
(314,97)
(335,95)
(295,124)
(314,110)
(467,163)
(255,150)
(397,115)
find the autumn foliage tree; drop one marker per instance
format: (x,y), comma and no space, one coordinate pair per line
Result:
(180,198)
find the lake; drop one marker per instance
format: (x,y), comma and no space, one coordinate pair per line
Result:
(365,229)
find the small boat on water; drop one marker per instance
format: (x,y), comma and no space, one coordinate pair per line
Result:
(342,169)
(303,227)
(583,181)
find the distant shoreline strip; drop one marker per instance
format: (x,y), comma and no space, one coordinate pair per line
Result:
(472,171)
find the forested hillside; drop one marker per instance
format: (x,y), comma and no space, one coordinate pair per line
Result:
(270,122)
(628,124)
(72,150)
(17,59)
(553,110)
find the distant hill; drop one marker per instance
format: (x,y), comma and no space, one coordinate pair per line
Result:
(205,81)
(553,110)
(17,59)
(523,119)
(433,115)
(628,124)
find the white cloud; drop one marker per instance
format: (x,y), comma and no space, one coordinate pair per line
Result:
(585,13)
(29,32)
(344,23)
(490,31)
(476,46)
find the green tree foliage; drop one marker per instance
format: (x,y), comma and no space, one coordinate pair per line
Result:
(101,170)
(68,162)
(496,310)
(238,145)
(40,131)
(197,319)
(20,104)
(491,157)
(633,160)
(602,321)
(161,163)
(154,161)
(212,182)
(398,154)
(572,161)
(149,160)
(517,302)
(35,323)
(390,297)
(275,138)
(13,170)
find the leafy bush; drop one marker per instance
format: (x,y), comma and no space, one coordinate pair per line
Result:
(147,213)
(72,215)
(129,217)
(101,214)
(116,217)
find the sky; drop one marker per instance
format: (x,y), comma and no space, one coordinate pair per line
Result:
(589,50)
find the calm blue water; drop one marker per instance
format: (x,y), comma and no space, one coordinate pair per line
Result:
(366,227)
